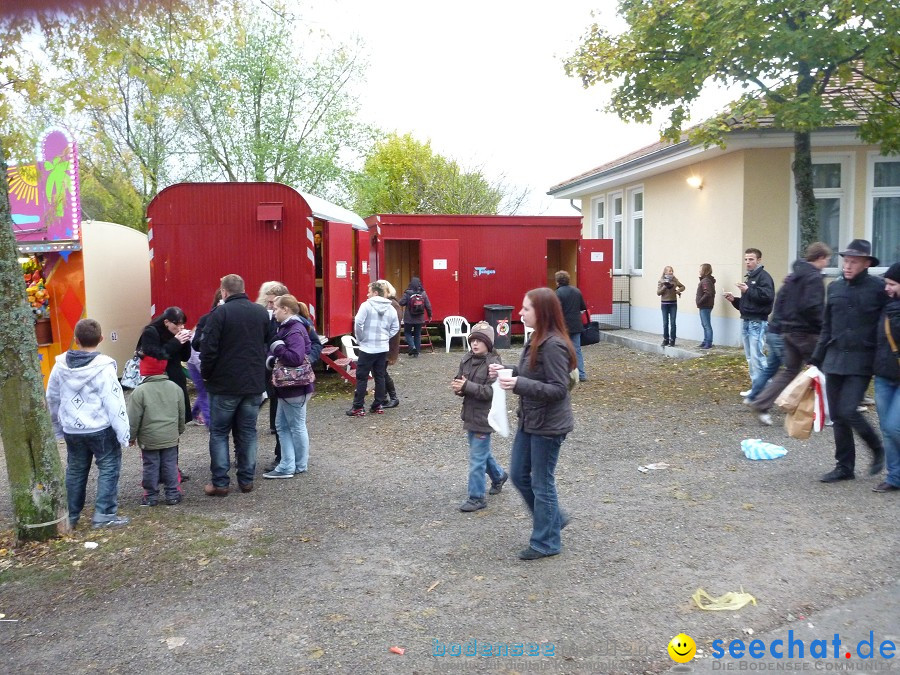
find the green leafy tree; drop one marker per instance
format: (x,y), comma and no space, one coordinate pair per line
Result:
(266,109)
(804,65)
(403,175)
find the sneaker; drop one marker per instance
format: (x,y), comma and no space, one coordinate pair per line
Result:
(861,408)
(174,501)
(117,521)
(837,474)
(497,486)
(747,401)
(531,554)
(745,394)
(765,418)
(148,500)
(393,403)
(868,400)
(279,474)
(376,409)
(881,487)
(356,412)
(185,477)
(274,465)
(472,504)
(297,472)
(664,343)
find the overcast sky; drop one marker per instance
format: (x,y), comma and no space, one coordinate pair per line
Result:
(484,82)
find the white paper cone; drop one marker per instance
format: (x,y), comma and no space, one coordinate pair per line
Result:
(497,417)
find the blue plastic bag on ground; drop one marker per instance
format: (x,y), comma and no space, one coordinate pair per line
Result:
(755,448)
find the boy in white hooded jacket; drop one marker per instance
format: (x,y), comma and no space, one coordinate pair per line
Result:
(87,408)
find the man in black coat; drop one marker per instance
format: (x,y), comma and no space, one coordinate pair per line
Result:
(845,353)
(233,365)
(572,305)
(799,306)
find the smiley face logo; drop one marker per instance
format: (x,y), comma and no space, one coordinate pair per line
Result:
(682,648)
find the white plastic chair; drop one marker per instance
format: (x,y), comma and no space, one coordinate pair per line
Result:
(528,332)
(350,347)
(456,327)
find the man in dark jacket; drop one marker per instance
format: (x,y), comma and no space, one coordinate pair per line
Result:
(755,305)
(572,305)
(845,353)
(799,306)
(233,365)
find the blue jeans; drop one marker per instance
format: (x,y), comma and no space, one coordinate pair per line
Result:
(754,336)
(413,332)
(201,403)
(669,316)
(481,460)
(706,322)
(238,413)
(576,340)
(103,447)
(531,470)
(887,400)
(290,422)
(775,344)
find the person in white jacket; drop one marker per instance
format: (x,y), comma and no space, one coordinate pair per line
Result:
(87,408)
(375,324)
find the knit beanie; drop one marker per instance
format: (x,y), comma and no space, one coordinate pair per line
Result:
(151,366)
(484,332)
(893,272)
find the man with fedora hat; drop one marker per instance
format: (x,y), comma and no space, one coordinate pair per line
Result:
(846,353)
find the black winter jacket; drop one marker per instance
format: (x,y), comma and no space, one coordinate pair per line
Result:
(545,408)
(755,304)
(158,342)
(886,364)
(234,345)
(852,311)
(477,392)
(572,305)
(800,302)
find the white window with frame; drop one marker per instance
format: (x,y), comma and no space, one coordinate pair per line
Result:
(598,211)
(832,178)
(883,208)
(636,229)
(616,225)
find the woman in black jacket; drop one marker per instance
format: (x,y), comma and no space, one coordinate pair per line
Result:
(545,417)
(418,306)
(887,380)
(166,339)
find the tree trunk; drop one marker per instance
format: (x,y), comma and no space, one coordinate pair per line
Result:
(807,217)
(32,458)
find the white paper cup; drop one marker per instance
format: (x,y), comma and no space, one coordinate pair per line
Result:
(505,373)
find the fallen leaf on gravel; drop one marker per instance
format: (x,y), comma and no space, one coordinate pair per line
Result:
(77,563)
(433,586)
(203,562)
(479,577)
(747,507)
(174,642)
(316,653)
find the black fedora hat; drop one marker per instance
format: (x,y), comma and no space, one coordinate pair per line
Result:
(861,249)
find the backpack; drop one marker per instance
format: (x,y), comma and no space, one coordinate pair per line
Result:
(416,304)
(315,343)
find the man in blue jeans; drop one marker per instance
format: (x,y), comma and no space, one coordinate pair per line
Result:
(233,364)
(754,304)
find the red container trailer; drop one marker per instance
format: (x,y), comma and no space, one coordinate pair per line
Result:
(200,232)
(467,262)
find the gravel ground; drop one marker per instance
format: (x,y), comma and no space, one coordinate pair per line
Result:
(328,571)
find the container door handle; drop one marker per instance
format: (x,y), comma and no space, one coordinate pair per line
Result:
(456,275)
(351,273)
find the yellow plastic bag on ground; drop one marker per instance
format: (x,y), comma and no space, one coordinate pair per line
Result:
(730,601)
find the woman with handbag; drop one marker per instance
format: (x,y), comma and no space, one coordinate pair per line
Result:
(669,289)
(292,377)
(887,380)
(545,417)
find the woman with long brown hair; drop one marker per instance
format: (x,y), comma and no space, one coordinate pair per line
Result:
(545,417)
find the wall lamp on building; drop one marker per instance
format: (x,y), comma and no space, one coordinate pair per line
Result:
(695,182)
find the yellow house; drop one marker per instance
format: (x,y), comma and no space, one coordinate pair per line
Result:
(682,205)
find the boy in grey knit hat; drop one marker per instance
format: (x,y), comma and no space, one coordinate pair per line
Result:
(473,383)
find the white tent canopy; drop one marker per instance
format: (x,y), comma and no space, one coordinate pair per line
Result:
(328,211)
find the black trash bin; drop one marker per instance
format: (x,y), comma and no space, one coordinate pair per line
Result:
(500,318)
